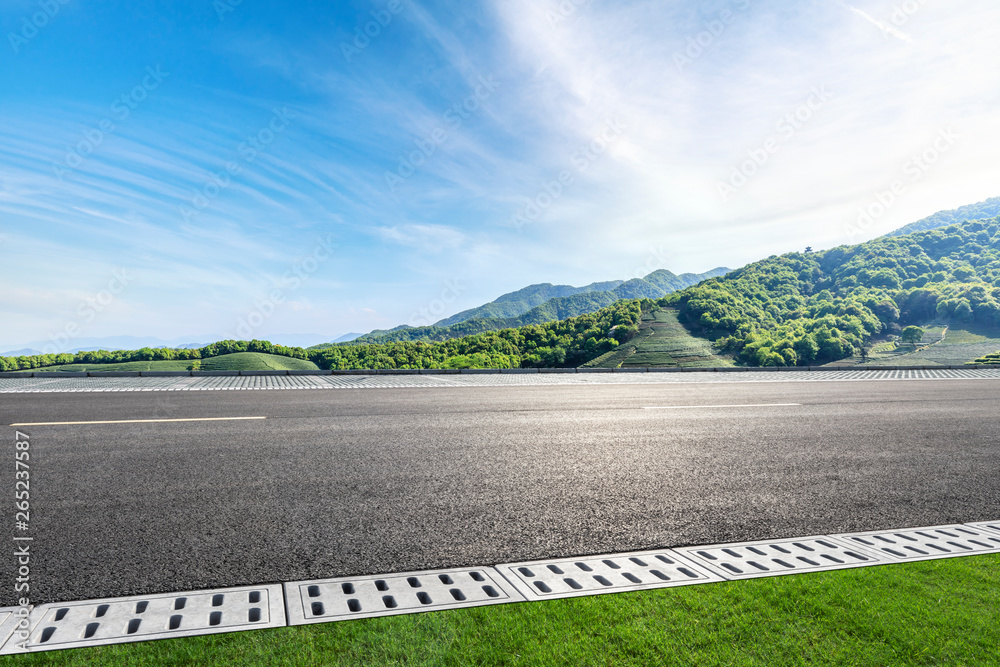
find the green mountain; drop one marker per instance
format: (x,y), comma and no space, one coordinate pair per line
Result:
(984,210)
(580,301)
(517,303)
(810,308)
(514,304)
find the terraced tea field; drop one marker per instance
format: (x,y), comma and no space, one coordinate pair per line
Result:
(662,341)
(959,346)
(941,345)
(256,361)
(889,353)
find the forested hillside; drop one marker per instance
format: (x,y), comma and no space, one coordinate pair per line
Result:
(804,308)
(981,211)
(568,342)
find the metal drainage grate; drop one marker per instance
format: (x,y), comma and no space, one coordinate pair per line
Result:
(927,543)
(744,560)
(139,618)
(363,597)
(987,525)
(569,577)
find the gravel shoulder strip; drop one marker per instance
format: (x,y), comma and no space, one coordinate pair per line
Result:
(389,381)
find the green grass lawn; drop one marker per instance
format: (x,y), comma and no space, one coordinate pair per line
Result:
(941,612)
(239,361)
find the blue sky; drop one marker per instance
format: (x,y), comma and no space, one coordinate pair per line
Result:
(245,169)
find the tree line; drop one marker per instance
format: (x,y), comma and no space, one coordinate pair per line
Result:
(804,308)
(149,354)
(566,342)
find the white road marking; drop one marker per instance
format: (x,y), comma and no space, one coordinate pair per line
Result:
(693,407)
(448,380)
(139,421)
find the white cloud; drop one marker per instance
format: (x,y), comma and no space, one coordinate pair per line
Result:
(689,129)
(881,25)
(430,239)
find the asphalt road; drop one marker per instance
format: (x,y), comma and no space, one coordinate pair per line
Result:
(374,481)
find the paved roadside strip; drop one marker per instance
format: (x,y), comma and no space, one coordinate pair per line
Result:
(270,380)
(140,618)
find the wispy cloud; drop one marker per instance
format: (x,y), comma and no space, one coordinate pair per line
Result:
(425,238)
(881,25)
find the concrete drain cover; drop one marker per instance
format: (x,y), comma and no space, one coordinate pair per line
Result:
(9,620)
(927,543)
(987,525)
(139,618)
(363,597)
(768,558)
(569,577)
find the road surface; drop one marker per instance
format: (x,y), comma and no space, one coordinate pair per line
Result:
(335,483)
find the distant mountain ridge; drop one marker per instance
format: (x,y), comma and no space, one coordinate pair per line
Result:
(517,303)
(575,301)
(984,210)
(23,352)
